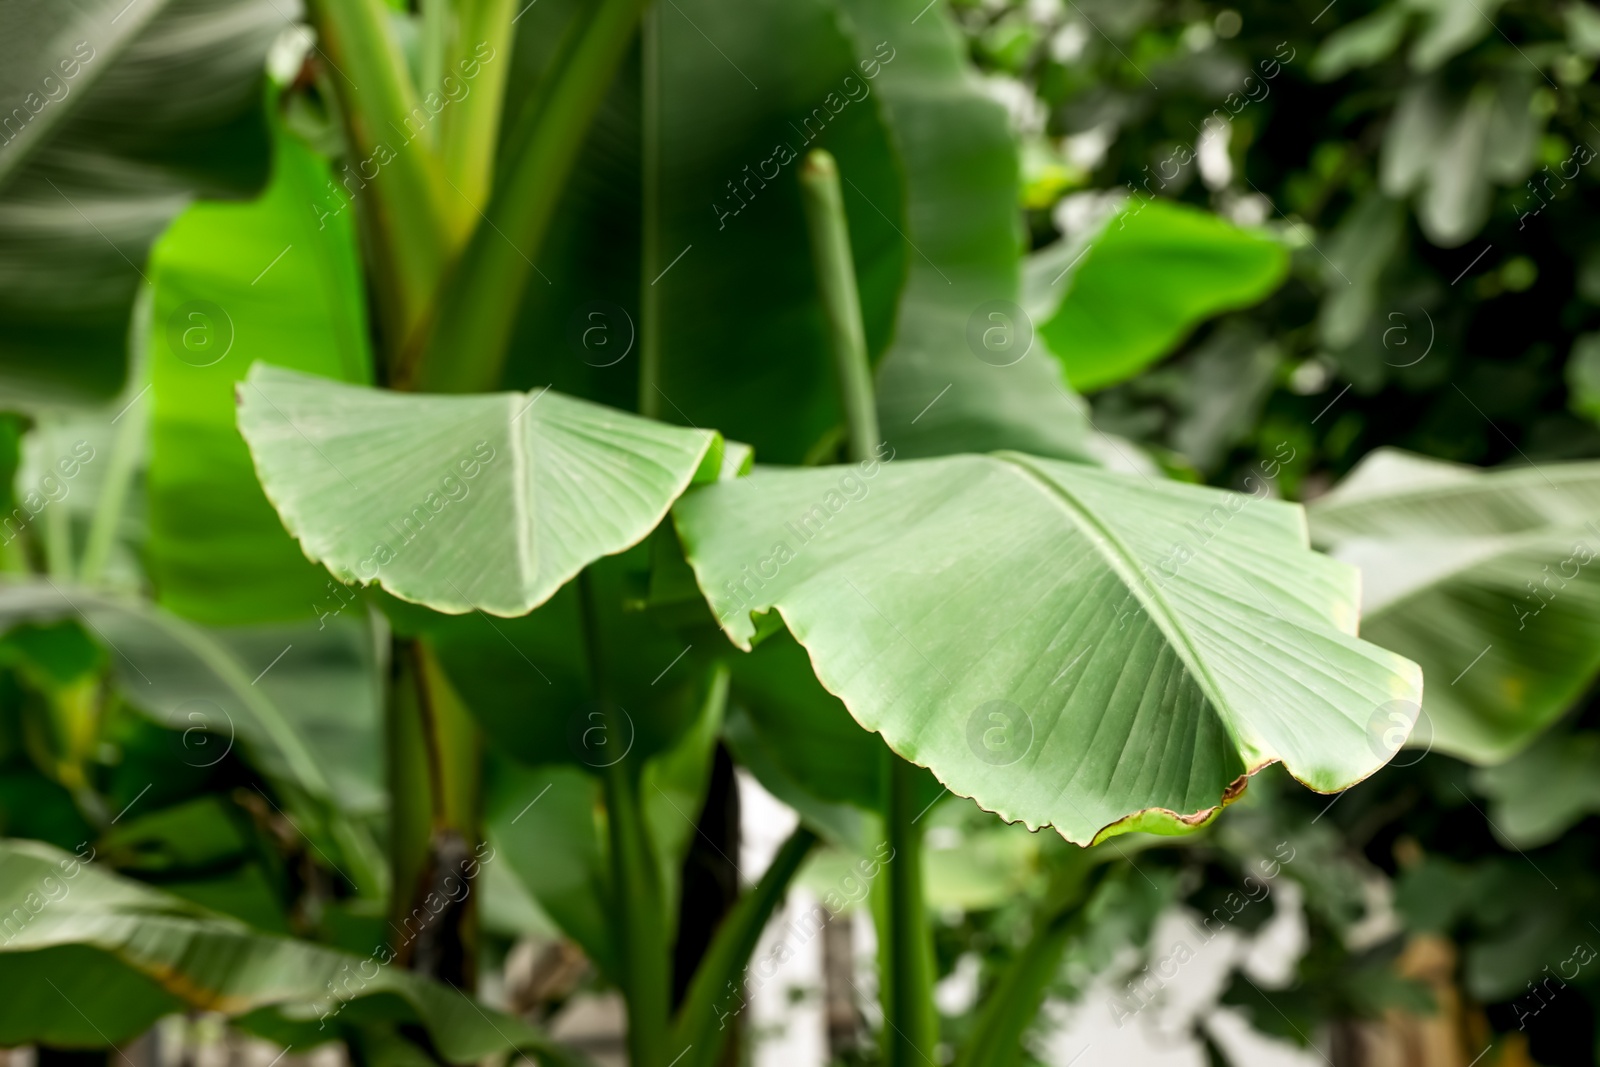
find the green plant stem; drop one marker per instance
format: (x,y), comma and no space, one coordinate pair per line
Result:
(841,301)
(911,1030)
(114,491)
(408,776)
(699,1032)
(406,212)
(646,959)
(466,349)
(1009,1008)
(650,210)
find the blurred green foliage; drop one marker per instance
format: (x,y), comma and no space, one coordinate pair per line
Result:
(1431,162)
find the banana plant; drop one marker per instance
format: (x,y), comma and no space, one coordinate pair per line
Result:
(404,381)
(1488,575)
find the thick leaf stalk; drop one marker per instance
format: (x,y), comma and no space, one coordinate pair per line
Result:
(911,1029)
(641,924)
(479,40)
(638,916)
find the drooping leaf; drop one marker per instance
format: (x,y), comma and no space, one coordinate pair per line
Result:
(1450,150)
(1066,646)
(322,680)
(1488,579)
(487,502)
(1359,250)
(275,280)
(91,933)
(1449,28)
(117,115)
(1361,43)
(1155,271)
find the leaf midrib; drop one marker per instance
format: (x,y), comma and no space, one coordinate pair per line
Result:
(1126,564)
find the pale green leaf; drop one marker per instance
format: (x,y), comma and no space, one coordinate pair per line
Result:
(1488,579)
(1066,646)
(487,502)
(1450,27)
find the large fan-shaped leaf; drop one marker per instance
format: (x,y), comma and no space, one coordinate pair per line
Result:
(235,283)
(116,115)
(1489,579)
(1065,645)
(1152,274)
(461,502)
(91,933)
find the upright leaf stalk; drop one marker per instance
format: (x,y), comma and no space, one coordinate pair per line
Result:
(910,1031)
(841,301)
